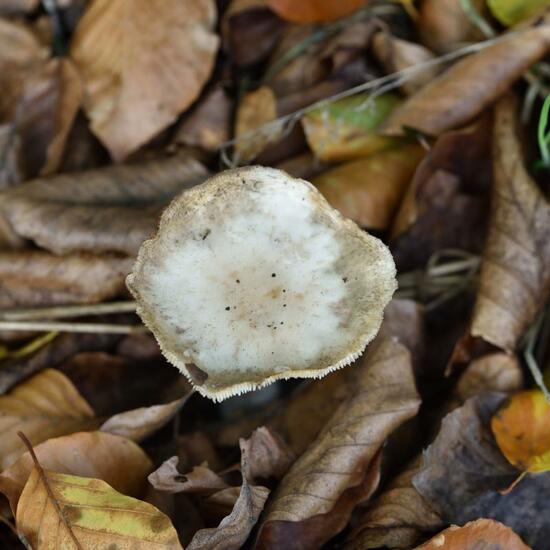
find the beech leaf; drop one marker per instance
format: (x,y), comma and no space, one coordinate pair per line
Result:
(136,83)
(115,460)
(97,515)
(471,84)
(46,405)
(522,430)
(515,270)
(314,500)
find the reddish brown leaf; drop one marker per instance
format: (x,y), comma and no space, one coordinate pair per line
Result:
(483,533)
(312,11)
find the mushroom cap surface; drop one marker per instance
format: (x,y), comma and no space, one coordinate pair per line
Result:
(253,277)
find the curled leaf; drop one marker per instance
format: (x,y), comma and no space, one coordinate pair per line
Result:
(312,11)
(522,430)
(309,285)
(136,82)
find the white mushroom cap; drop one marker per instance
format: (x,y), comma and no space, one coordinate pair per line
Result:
(253,277)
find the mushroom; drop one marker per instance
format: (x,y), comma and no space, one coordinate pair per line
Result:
(253,277)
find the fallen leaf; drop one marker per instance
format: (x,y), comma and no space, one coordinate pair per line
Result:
(522,430)
(369,190)
(21,54)
(51,355)
(268,456)
(471,84)
(497,372)
(136,83)
(464,473)
(16,7)
(106,210)
(451,183)
(235,528)
(11,162)
(46,405)
(398,518)
(139,424)
(444,25)
(48,107)
(397,55)
(346,129)
(115,460)
(314,11)
(483,533)
(209,125)
(515,270)
(247,22)
(201,480)
(510,12)
(324,484)
(96,515)
(37,278)
(255,110)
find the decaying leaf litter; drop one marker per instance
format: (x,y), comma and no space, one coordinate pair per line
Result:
(338,211)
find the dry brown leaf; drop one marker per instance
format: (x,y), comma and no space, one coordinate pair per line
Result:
(201,480)
(139,424)
(46,405)
(515,269)
(255,109)
(16,7)
(247,22)
(209,125)
(451,184)
(47,110)
(396,55)
(369,190)
(397,518)
(21,54)
(116,460)
(326,482)
(268,456)
(493,372)
(444,25)
(38,278)
(109,209)
(11,163)
(483,533)
(136,81)
(314,11)
(66,511)
(472,84)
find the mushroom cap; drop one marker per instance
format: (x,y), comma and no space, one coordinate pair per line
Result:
(253,277)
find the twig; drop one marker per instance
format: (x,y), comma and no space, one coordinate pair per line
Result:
(530,341)
(49,491)
(59,312)
(47,326)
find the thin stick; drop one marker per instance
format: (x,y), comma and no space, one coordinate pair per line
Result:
(59,312)
(46,326)
(49,491)
(529,355)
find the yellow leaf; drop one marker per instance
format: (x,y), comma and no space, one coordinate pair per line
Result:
(46,405)
(522,430)
(97,515)
(510,12)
